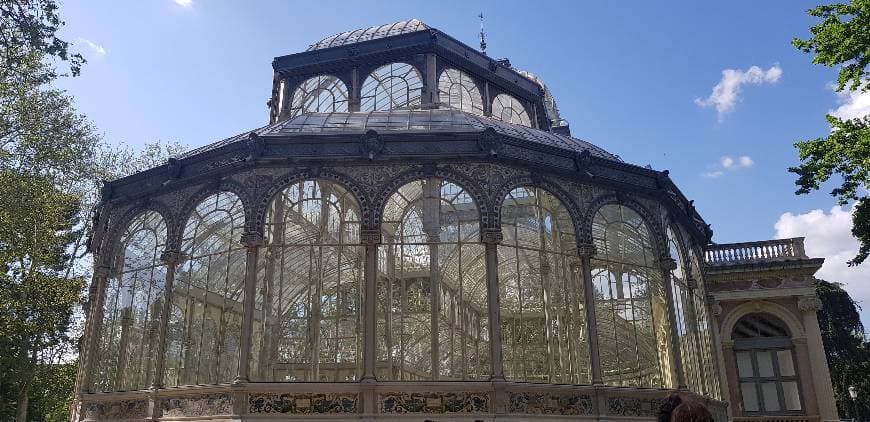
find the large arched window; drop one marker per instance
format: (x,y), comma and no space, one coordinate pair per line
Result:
(307,318)
(509,109)
(202,342)
(544,337)
(391,87)
(630,305)
(432,314)
(320,94)
(456,89)
(686,320)
(133,308)
(766,366)
(705,330)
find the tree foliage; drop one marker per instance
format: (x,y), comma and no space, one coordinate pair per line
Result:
(847,353)
(28,29)
(841,39)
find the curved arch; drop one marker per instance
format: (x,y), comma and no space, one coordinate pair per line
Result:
(432,297)
(458,90)
(761,306)
(206,191)
(133,307)
(541,291)
(508,109)
(551,187)
(319,94)
(652,222)
(209,284)
(379,202)
(346,182)
(117,229)
(392,86)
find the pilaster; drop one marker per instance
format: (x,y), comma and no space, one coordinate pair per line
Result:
(586,251)
(491,238)
(667,265)
(252,241)
(809,306)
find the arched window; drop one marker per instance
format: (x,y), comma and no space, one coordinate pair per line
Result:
(320,94)
(391,87)
(705,331)
(766,366)
(456,89)
(509,109)
(544,337)
(432,313)
(630,304)
(307,318)
(205,328)
(686,320)
(133,308)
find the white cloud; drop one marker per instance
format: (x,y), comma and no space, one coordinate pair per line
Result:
(853,104)
(184,3)
(725,94)
(727,162)
(96,48)
(829,235)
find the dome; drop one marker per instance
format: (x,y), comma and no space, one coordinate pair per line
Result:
(370,33)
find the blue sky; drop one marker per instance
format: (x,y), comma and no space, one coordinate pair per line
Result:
(631,77)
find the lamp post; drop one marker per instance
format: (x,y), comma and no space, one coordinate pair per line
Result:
(853,393)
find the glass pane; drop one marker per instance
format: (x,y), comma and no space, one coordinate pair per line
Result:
(744,364)
(769,396)
(792,398)
(750,396)
(765,363)
(786,365)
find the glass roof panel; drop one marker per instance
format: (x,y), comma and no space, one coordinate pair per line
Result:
(371,33)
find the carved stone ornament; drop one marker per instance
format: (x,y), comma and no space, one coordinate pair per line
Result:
(551,403)
(204,405)
(633,406)
(116,410)
(583,161)
(306,404)
(446,402)
(716,308)
(173,168)
(371,145)
(370,236)
(810,303)
(490,142)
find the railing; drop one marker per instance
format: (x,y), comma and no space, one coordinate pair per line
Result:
(763,251)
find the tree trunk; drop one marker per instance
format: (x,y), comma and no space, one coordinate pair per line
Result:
(23,398)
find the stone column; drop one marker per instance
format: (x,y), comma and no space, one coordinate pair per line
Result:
(170,258)
(252,241)
(353,103)
(730,376)
(586,251)
(491,239)
(92,330)
(430,83)
(809,306)
(715,312)
(668,264)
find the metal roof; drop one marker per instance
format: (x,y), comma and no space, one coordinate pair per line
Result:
(409,121)
(371,33)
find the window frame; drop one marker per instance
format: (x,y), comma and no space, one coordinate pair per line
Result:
(753,346)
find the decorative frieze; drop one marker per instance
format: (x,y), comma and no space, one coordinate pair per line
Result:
(810,303)
(551,403)
(203,405)
(633,406)
(442,402)
(123,409)
(317,403)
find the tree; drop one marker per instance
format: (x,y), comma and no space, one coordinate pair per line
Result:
(847,354)
(28,30)
(842,38)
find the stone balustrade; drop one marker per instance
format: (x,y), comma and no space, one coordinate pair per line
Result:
(750,252)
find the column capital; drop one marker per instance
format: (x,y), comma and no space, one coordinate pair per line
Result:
(491,235)
(809,303)
(252,239)
(727,344)
(170,257)
(667,263)
(586,250)
(370,236)
(715,306)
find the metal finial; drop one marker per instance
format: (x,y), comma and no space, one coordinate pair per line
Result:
(482,35)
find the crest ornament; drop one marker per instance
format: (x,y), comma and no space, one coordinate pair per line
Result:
(371,144)
(490,142)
